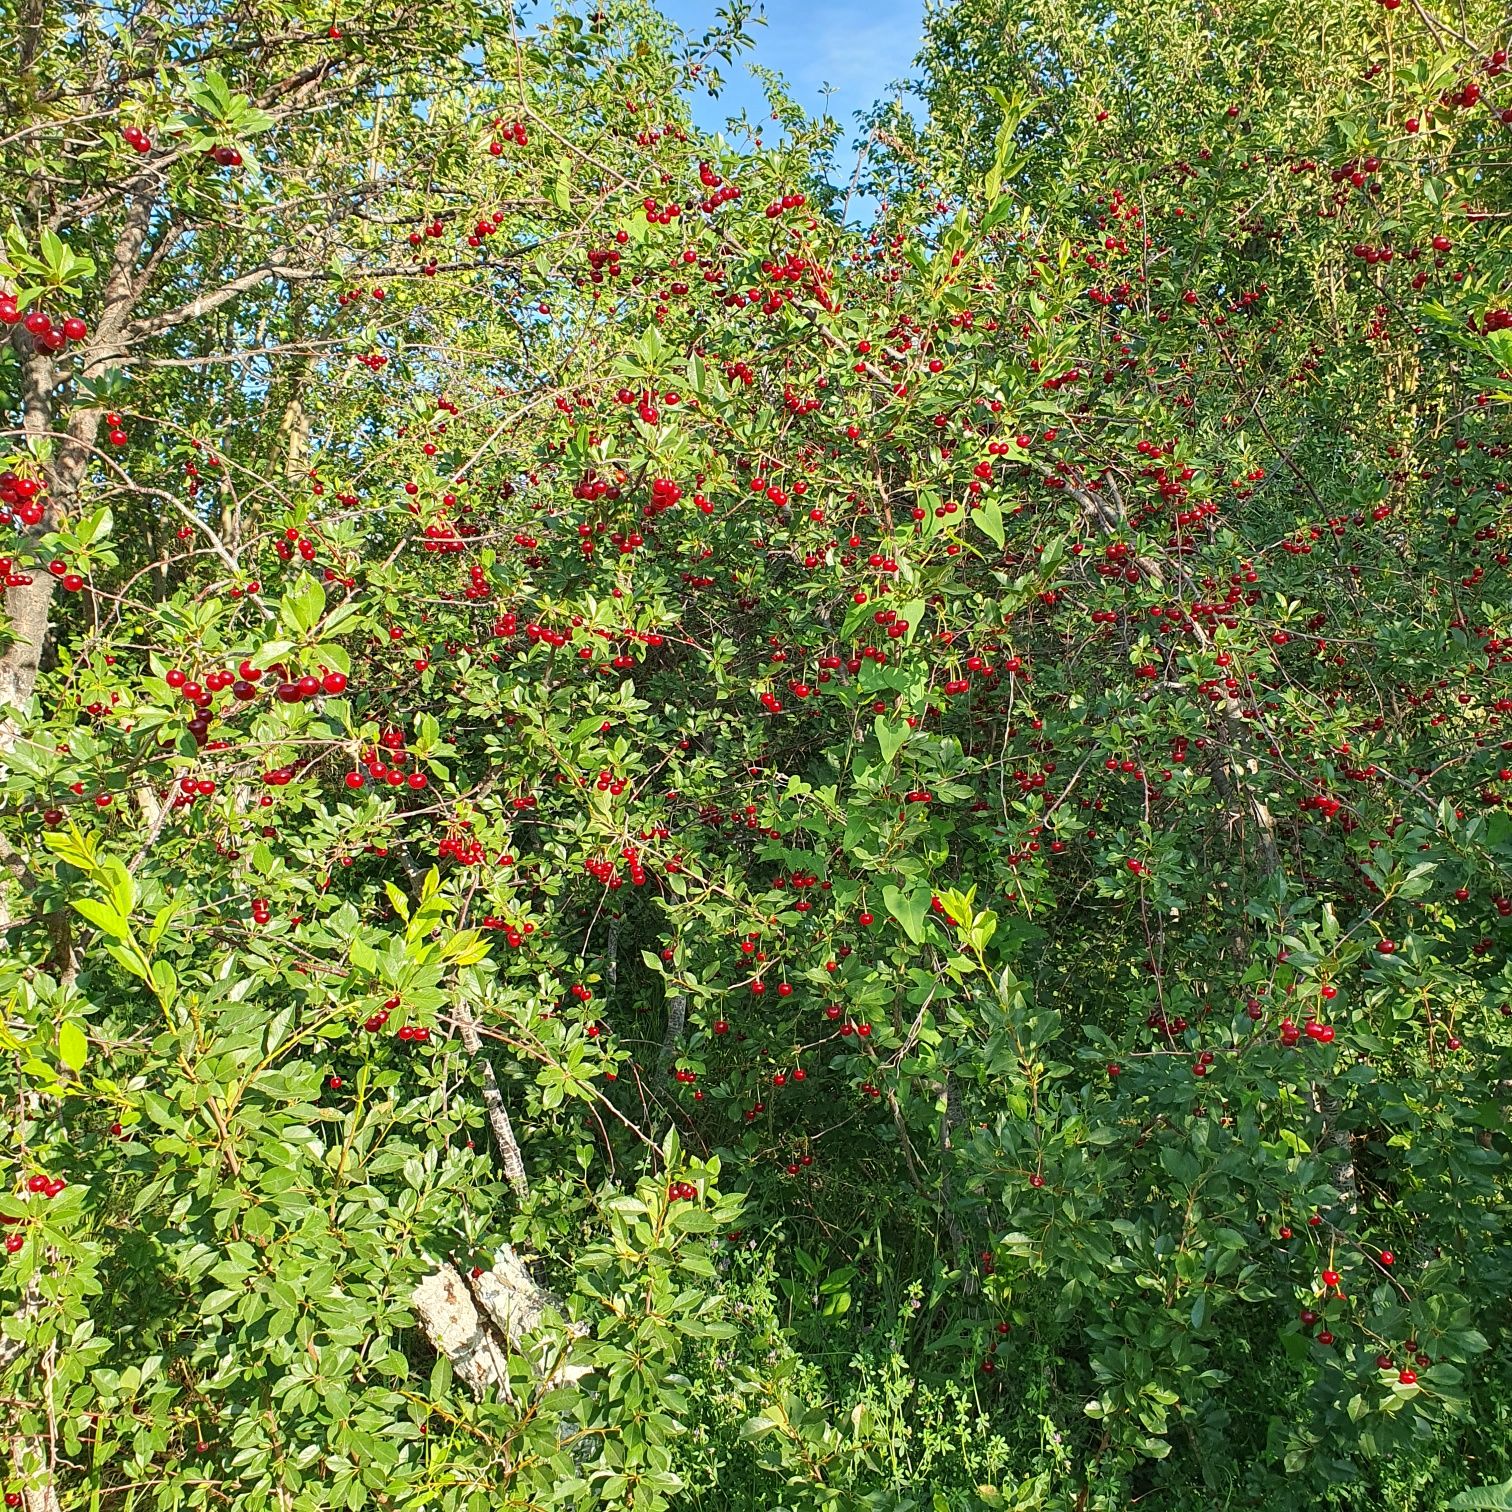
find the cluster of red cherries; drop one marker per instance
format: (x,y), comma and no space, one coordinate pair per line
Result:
(48,335)
(22,498)
(42,1186)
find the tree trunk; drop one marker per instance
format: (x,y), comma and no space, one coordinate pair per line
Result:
(29,609)
(677,1019)
(1331,1137)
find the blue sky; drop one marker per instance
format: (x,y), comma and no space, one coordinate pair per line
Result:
(856,46)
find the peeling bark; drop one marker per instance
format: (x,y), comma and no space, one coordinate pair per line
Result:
(451,1323)
(478,1323)
(493,1102)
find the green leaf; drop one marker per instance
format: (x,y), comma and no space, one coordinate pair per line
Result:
(891,735)
(1484,1499)
(103,917)
(989,520)
(302,606)
(73,1047)
(909,909)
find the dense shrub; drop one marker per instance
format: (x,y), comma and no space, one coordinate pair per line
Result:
(915,816)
